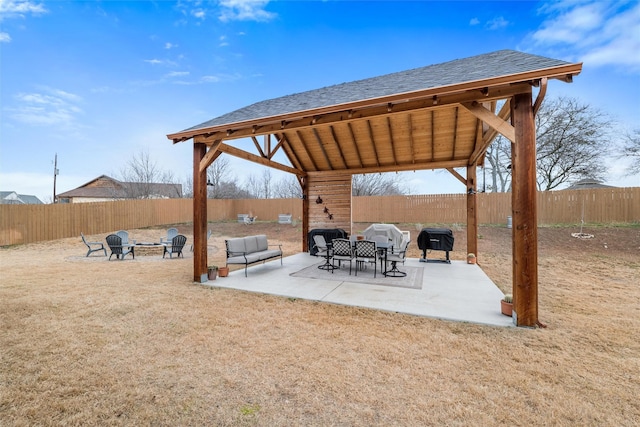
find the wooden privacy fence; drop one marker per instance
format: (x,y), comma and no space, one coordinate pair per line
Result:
(32,223)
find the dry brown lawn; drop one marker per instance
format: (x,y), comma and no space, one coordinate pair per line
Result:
(91,342)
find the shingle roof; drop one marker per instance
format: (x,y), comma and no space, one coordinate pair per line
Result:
(476,68)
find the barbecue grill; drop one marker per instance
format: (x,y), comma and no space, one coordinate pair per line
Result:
(437,239)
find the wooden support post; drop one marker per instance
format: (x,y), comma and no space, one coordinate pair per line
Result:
(305,214)
(524,213)
(199,215)
(472,211)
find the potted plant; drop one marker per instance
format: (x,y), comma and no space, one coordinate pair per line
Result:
(471,258)
(506,305)
(223,271)
(212,272)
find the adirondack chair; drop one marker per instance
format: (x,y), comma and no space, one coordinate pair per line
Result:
(117,247)
(177,243)
(93,246)
(171,233)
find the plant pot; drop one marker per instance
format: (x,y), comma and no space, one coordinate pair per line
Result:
(223,271)
(471,260)
(212,273)
(507,308)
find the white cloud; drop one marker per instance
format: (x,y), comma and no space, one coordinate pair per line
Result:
(52,107)
(596,32)
(170,45)
(245,10)
(13,8)
(497,23)
(177,74)
(474,21)
(17,9)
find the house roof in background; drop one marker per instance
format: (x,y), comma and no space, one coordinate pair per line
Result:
(105,187)
(13,198)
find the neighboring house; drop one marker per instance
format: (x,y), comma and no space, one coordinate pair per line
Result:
(106,189)
(587,183)
(13,198)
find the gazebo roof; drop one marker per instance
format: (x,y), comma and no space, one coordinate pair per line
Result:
(436,116)
(504,63)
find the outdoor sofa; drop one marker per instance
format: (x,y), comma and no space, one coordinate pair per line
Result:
(249,250)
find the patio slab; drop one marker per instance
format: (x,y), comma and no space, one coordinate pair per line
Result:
(457,291)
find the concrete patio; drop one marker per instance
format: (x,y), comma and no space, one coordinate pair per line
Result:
(457,291)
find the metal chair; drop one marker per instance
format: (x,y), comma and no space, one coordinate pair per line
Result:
(93,246)
(366,251)
(177,243)
(117,248)
(394,258)
(323,250)
(342,251)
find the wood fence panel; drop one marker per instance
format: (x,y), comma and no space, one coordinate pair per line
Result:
(21,224)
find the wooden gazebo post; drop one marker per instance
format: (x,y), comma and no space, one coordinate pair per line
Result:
(524,212)
(472,211)
(199,214)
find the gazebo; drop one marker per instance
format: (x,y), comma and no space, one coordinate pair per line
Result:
(441,116)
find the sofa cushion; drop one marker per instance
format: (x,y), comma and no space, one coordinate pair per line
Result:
(236,246)
(261,241)
(270,253)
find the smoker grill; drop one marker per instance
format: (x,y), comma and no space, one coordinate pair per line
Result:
(437,239)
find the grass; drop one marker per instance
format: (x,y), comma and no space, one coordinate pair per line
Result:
(92,342)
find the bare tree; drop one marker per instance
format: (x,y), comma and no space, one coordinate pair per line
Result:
(141,175)
(572,142)
(287,188)
(631,150)
(377,184)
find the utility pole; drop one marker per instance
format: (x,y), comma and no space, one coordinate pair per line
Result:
(55,174)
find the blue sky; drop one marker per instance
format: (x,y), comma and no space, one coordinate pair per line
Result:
(98,82)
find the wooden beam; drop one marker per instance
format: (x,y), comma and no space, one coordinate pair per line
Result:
(524,214)
(540,97)
(355,145)
(211,155)
(199,214)
(236,152)
(411,141)
(491,119)
(338,147)
(460,178)
(306,149)
(489,136)
(393,145)
(257,144)
(321,145)
(373,142)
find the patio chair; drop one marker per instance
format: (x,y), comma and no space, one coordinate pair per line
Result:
(171,233)
(394,258)
(93,246)
(124,235)
(366,251)
(118,248)
(209,232)
(177,243)
(342,251)
(323,250)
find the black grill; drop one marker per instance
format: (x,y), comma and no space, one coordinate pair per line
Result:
(437,239)
(328,233)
